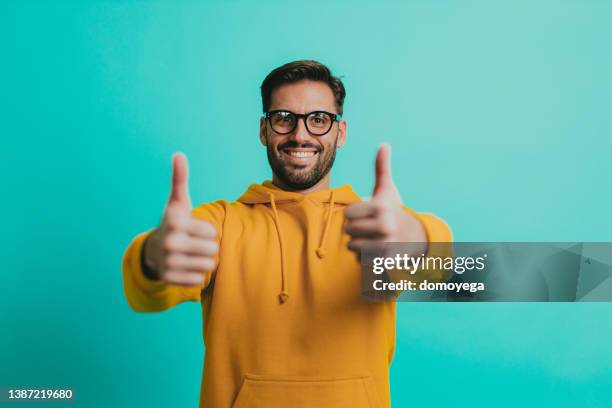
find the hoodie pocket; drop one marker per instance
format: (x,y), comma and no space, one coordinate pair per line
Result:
(351,392)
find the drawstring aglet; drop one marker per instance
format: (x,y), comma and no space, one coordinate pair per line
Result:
(282,297)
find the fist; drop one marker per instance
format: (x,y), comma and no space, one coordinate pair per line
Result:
(382,218)
(183,247)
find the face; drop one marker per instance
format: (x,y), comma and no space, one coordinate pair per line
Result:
(299,159)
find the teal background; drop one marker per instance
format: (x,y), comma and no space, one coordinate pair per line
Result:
(499,118)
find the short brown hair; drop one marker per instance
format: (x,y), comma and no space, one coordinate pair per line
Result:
(296,71)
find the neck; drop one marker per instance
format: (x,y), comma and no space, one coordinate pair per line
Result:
(323,184)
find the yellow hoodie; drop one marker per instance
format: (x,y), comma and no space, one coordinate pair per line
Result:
(284,322)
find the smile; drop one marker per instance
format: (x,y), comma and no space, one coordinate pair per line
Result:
(299,154)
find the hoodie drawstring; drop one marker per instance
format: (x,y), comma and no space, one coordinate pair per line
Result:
(321,249)
(283,295)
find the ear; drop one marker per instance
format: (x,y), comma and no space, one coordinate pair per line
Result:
(341,133)
(262,131)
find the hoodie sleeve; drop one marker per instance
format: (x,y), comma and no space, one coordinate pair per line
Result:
(146,295)
(439,234)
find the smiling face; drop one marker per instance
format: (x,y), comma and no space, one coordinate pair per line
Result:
(299,160)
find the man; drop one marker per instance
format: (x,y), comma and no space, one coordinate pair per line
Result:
(284,322)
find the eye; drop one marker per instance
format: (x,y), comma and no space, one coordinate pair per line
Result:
(319,119)
(282,117)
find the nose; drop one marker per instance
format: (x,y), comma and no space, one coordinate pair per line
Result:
(300,134)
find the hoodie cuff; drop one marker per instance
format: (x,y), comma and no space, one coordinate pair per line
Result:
(439,234)
(435,229)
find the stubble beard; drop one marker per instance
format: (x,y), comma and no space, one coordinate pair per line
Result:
(296,178)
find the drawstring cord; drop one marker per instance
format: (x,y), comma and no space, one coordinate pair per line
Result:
(321,249)
(283,295)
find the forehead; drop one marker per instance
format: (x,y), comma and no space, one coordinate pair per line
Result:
(304,96)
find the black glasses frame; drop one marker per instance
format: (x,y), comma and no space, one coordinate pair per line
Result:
(334,118)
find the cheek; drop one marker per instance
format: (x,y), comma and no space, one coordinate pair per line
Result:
(275,143)
(328,145)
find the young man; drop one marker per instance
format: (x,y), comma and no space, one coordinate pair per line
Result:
(284,321)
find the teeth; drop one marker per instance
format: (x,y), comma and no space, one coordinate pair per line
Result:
(301,154)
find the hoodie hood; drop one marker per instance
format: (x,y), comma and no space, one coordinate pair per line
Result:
(268,193)
(261,194)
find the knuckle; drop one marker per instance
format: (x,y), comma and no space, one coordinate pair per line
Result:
(380,206)
(204,228)
(351,210)
(173,261)
(209,229)
(168,244)
(167,276)
(376,204)
(175,277)
(172,224)
(171,242)
(208,264)
(387,228)
(212,247)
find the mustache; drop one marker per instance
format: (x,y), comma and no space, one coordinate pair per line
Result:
(295,145)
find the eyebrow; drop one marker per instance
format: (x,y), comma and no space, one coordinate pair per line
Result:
(311,111)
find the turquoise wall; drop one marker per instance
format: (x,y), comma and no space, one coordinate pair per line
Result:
(499,118)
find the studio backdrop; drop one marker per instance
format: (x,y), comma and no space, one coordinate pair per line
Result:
(498,114)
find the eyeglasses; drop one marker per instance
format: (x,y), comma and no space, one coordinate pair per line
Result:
(317,123)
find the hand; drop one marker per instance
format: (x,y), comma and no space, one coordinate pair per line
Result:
(382,218)
(182,248)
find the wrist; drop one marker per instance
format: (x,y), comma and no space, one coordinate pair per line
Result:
(414,231)
(148,270)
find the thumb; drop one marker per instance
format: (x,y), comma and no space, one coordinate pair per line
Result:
(384,181)
(179,193)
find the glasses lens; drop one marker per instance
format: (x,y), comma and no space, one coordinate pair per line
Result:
(319,123)
(282,122)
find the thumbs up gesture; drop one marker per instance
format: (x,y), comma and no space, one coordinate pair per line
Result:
(382,218)
(182,248)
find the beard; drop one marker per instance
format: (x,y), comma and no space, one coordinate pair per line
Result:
(297,178)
